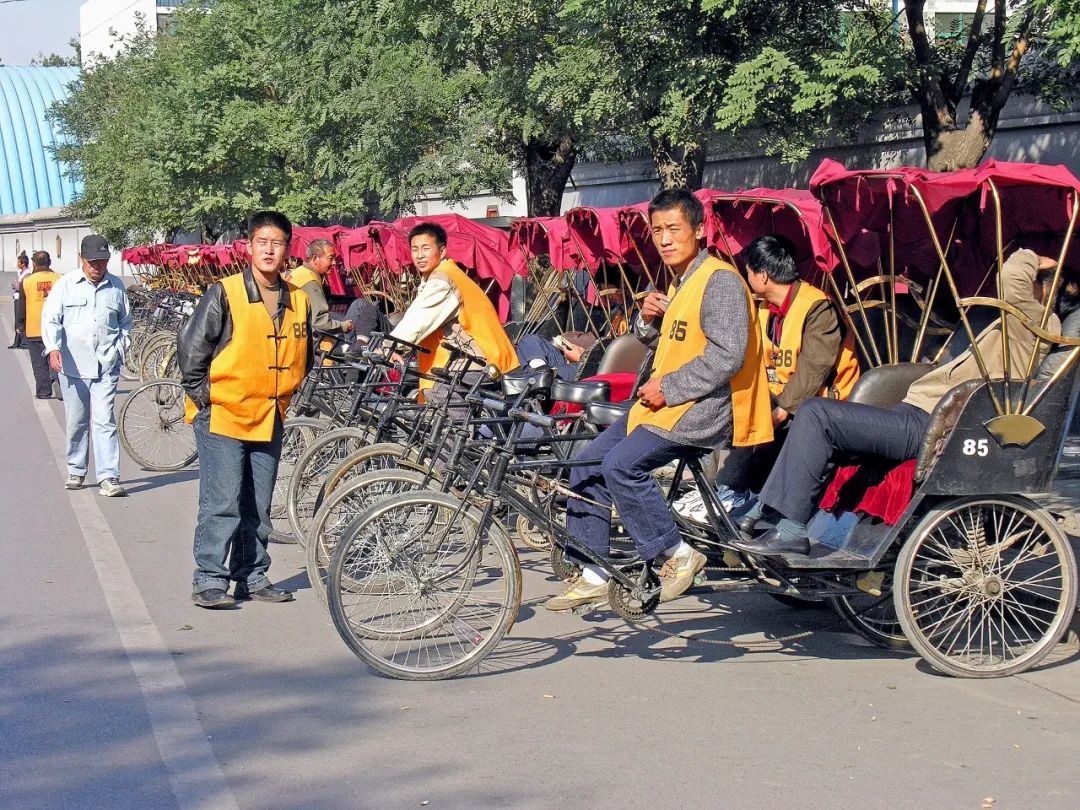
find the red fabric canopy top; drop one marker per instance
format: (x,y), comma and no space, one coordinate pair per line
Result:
(377,244)
(543,236)
(304,235)
(868,205)
(482,248)
(593,237)
(735,219)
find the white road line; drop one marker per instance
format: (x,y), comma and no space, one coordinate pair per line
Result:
(194,773)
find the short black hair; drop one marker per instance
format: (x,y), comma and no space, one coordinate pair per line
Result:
(774,256)
(1068,298)
(276,219)
(679,198)
(41,258)
(436,232)
(22,260)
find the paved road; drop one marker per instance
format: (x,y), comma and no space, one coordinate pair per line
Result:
(116,692)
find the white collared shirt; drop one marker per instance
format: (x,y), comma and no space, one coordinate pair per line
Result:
(89,323)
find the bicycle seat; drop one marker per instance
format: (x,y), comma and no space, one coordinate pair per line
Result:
(527,380)
(581,392)
(603,414)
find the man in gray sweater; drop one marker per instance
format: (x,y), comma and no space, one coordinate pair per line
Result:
(707,353)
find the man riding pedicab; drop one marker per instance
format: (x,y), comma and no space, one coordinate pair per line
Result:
(708,390)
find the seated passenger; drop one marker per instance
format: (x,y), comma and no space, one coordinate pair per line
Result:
(825,426)
(707,390)
(365,318)
(808,353)
(450,306)
(562,353)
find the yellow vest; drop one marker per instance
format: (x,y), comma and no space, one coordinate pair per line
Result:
(303,275)
(479,320)
(35,289)
(781,361)
(682,340)
(259,367)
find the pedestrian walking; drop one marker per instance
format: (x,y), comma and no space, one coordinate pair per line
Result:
(28,307)
(22,265)
(85,325)
(242,354)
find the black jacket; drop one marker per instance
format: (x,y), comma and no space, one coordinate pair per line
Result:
(209,330)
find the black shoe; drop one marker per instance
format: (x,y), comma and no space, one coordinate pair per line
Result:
(265,594)
(213,599)
(748,524)
(46,396)
(771,543)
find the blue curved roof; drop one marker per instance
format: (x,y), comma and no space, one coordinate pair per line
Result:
(30,176)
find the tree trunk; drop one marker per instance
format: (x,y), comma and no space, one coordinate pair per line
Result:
(679,165)
(547,169)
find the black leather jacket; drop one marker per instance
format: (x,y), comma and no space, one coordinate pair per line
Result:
(209,330)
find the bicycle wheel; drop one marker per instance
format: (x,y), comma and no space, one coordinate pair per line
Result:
(152,428)
(154,354)
(302,495)
(342,508)
(985,587)
(129,368)
(297,433)
(421,588)
(381,456)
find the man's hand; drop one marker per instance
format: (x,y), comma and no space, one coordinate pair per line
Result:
(1046,263)
(346,325)
(779,416)
(650,394)
(655,304)
(573,353)
(55,362)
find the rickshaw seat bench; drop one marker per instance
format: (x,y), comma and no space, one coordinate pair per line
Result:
(887,493)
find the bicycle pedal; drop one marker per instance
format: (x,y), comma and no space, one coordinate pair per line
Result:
(581,610)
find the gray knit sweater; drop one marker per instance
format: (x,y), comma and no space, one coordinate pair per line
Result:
(725,320)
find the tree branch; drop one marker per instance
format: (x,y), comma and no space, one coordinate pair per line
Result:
(1012,67)
(975,39)
(920,42)
(997,53)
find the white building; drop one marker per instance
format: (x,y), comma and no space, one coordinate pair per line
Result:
(104,23)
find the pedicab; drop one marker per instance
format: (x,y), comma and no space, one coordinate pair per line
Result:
(424,584)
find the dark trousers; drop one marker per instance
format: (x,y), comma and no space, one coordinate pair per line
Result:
(747,468)
(823,427)
(43,375)
(236,486)
(534,347)
(620,473)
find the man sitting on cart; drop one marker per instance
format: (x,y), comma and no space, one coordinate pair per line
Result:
(824,426)
(808,352)
(450,306)
(707,390)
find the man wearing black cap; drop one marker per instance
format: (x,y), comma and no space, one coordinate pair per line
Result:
(85,325)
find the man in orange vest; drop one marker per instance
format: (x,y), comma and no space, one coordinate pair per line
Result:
(707,390)
(28,306)
(242,355)
(807,352)
(450,306)
(310,277)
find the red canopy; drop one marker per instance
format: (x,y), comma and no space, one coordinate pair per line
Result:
(304,235)
(483,249)
(593,237)
(868,205)
(543,236)
(734,219)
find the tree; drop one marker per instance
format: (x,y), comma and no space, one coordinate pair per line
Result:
(56,60)
(984,68)
(244,109)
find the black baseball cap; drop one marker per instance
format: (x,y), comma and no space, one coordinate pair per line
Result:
(94,247)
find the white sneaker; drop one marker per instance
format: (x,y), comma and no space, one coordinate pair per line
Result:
(688,504)
(111,488)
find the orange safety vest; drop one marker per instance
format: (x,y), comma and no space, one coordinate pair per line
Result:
(303,275)
(479,320)
(781,361)
(35,289)
(259,368)
(682,339)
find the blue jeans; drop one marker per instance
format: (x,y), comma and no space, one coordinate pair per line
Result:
(236,485)
(89,405)
(621,473)
(532,347)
